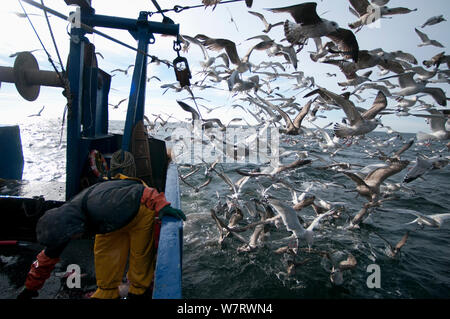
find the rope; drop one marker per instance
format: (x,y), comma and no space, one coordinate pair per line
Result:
(123,162)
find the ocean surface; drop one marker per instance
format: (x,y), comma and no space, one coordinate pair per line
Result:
(213,270)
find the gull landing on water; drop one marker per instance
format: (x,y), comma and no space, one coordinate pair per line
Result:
(423,166)
(393,251)
(292,223)
(370,186)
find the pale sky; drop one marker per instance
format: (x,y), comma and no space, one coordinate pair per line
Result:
(230,21)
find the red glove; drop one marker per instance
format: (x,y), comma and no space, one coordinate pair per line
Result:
(154,200)
(40,271)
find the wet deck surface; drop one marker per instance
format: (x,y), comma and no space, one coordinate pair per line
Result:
(15,263)
(50,190)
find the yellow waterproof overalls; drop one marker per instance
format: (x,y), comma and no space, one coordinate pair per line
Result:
(138,240)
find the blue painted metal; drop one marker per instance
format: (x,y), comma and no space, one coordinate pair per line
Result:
(142,30)
(95,101)
(75,75)
(168,272)
(87,128)
(135,111)
(169,259)
(130,24)
(11,159)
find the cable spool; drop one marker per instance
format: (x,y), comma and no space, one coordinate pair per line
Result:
(27,77)
(97,164)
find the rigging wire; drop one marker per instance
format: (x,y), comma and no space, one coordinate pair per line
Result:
(53,38)
(63,80)
(178,8)
(90,29)
(43,46)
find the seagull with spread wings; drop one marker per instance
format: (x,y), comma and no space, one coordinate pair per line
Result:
(308,24)
(290,219)
(267,26)
(433,220)
(437,60)
(426,40)
(393,251)
(38,113)
(368,12)
(359,124)
(190,109)
(409,86)
(230,49)
(438,120)
(369,187)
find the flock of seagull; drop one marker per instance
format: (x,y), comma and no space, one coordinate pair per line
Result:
(249,221)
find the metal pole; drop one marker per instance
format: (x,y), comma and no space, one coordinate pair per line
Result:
(135,111)
(75,75)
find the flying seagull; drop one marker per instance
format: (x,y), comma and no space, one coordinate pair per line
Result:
(434,220)
(214,3)
(359,124)
(38,113)
(308,24)
(267,26)
(17,53)
(434,20)
(370,12)
(124,71)
(190,109)
(369,187)
(437,60)
(290,219)
(117,105)
(274,171)
(409,86)
(437,119)
(426,40)
(421,167)
(230,49)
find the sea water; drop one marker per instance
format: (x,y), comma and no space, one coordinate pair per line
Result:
(211,270)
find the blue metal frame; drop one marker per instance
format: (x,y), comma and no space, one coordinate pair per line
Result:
(11,159)
(142,30)
(169,259)
(169,264)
